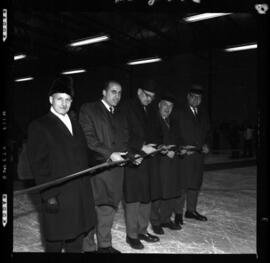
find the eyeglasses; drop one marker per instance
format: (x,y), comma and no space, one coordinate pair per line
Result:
(151,97)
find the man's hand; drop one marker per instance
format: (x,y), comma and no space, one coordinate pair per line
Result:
(149,148)
(205,149)
(189,149)
(51,205)
(138,159)
(117,156)
(171,154)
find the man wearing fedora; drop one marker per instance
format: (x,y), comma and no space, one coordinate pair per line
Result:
(137,196)
(194,131)
(56,148)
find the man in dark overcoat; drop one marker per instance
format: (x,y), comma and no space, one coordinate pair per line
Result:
(194,130)
(106,132)
(169,180)
(137,187)
(57,147)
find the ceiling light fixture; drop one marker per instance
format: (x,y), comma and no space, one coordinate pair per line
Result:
(24,79)
(144,61)
(90,40)
(74,71)
(20,56)
(204,16)
(241,47)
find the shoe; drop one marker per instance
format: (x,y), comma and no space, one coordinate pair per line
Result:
(135,243)
(157,229)
(148,238)
(106,250)
(178,220)
(195,215)
(171,225)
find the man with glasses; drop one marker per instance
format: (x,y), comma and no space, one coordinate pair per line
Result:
(194,132)
(142,129)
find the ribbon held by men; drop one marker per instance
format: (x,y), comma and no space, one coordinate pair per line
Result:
(179,150)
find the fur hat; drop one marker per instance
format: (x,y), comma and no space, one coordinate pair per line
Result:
(63,84)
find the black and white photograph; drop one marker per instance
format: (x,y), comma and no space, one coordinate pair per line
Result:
(135,130)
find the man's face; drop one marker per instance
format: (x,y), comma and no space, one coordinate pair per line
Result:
(61,102)
(112,95)
(145,96)
(194,100)
(165,108)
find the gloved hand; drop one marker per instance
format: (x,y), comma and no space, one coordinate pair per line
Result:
(51,205)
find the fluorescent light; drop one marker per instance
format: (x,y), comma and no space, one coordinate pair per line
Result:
(144,61)
(89,41)
(21,56)
(23,79)
(75,71)
(242,47)
(204,16)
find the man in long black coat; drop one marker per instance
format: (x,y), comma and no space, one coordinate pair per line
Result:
(169,180)
(106,132)
(193,131)
(137,180)
(56,148)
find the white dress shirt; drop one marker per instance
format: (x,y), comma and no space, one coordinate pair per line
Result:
(108,107)
(194,110)
(64,118)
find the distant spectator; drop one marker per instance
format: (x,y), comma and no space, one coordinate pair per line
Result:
(248,140)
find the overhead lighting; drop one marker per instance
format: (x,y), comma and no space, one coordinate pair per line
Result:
(204,16)
(144,61)
(90,40)
(75,71)
(20,56)
(241,47)
(23,79)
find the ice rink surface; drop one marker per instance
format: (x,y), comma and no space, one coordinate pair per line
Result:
(227,198)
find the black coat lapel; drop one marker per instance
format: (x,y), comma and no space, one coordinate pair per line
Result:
(60,124)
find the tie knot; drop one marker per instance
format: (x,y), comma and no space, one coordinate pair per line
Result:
(111,109)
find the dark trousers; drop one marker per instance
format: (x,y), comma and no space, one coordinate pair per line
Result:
(161,211)
(105,217)
(137,217)
(190,196)
(73,246)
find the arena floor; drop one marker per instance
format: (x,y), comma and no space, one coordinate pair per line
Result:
(228,199)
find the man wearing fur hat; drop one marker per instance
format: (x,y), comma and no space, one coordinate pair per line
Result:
(56,148)
(194,131)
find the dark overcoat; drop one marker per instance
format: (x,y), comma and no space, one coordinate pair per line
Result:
(53,152)
(143,129)
(192,131)
(105,133)
(169,167)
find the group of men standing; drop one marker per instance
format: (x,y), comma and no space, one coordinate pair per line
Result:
(152,187)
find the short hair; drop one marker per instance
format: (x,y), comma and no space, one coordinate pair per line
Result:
(110,82)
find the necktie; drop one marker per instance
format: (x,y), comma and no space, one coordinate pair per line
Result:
(195,110)
(166,120)
(111,110)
